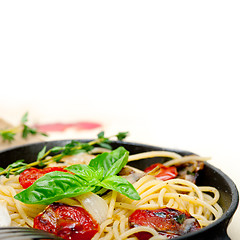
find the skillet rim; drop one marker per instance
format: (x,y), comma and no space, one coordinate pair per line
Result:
(223,221)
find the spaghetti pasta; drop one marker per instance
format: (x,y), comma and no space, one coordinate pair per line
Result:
(201,202)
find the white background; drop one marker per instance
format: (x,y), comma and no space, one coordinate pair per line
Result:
(167,71)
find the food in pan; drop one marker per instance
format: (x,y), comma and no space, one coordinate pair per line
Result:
(87,191)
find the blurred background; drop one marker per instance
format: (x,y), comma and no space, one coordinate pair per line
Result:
(166,71)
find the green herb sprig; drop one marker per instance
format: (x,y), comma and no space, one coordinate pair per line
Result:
(72,148)
(100,173)
(10,133)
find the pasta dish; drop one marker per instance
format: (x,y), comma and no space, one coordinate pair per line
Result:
(96,195)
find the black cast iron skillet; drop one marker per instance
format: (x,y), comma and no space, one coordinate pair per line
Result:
(209,176)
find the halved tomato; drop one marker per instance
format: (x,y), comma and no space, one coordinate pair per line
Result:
(168,222)
(68,222)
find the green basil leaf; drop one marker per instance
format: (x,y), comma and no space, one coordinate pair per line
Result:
(99,174)
(107,160)
(52,187)
(120,185)
(87,173)
(118,165)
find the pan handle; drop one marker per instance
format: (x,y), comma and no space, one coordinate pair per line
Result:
(225,237)
(222,235)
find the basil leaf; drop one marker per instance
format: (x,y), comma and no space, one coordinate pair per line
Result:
(52,187)
(120,185)
(87,173)
(107,160)
(118,165)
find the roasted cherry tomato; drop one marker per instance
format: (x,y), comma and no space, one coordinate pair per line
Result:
(52,169)
(162,172)
(29,176)
(68,222)
(168,222)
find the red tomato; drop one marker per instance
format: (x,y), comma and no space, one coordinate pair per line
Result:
(162,172)
(52,169)
(29,176)
(68,222)
(168,222)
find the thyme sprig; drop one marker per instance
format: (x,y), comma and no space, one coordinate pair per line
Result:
(25,130)
(72,148)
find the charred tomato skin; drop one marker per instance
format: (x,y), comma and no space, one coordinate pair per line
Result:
(68,222)
(168,222)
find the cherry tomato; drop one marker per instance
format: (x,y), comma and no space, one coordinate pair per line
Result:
(52,169)
(162,172)
(168,222)
(29,176)
(68,222)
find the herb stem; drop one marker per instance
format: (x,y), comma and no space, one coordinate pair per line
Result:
(8,134)
(16,129)
(44,161)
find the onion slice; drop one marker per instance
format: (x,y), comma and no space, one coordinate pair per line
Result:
(131,174)
(95,205)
